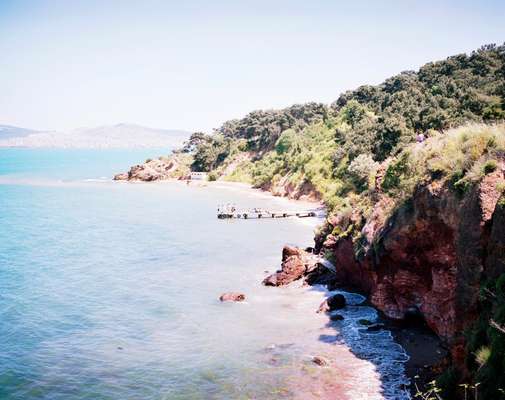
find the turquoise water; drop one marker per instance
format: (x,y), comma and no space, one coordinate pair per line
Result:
(68,164)
(109,291)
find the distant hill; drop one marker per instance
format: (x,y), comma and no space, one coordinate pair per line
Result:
(8,132)
(111,136)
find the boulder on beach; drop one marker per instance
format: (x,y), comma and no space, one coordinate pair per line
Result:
(335,302)
(232,296)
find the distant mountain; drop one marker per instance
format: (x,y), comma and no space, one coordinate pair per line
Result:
(7,132)
(111,136)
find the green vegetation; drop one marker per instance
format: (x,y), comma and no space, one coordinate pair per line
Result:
(182,162)
(336,150)
(486,341)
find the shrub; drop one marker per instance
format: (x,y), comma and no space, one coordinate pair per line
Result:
(500,187)
(286,141)
(362,168)
(396,174)
(482,355)
(490,166)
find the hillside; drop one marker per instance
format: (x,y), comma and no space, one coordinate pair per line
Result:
(416,226)
(113,136)
(314,145)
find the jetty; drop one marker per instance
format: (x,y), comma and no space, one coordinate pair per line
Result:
(231,212)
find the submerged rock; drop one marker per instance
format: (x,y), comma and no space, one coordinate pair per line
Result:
(335,302)
(318,360)
(336,317)
(232,296)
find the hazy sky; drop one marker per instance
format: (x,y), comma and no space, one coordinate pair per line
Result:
(194,64)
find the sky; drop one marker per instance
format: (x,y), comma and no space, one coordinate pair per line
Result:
(194,64)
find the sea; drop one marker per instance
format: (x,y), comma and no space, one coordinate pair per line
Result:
(110,291)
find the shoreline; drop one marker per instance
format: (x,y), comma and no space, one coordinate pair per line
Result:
(423,348)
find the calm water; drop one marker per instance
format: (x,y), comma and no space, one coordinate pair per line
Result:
(109,291)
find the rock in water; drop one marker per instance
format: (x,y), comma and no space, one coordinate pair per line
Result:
(335,302)
(232,296)
(295,264)
(336,317)
(319,361)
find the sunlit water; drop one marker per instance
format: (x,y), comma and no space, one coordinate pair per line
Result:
(110,291)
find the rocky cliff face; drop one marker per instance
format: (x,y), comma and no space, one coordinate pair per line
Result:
(429,257)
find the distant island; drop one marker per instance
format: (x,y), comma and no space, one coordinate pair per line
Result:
(103,137)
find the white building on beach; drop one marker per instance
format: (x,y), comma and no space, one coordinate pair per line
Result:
(198,176)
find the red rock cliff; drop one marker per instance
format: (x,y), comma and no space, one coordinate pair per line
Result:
(429,256)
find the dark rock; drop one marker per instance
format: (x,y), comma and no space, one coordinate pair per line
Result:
(335,302)
(319,276)
(336,317)
(319,361)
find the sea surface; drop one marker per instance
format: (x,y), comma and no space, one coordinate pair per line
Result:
(109,290)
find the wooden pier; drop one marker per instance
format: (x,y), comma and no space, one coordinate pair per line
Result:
(259,214)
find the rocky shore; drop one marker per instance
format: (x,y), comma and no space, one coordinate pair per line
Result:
(159,169)
(427,353)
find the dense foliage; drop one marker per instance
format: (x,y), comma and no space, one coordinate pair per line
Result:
(440,95)
(369,124)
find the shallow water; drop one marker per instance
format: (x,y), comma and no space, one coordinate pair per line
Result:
(109,291)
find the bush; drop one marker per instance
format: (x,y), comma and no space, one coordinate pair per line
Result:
(362,168)
(482,355)
(396,173)
(500,187)
(490,166)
